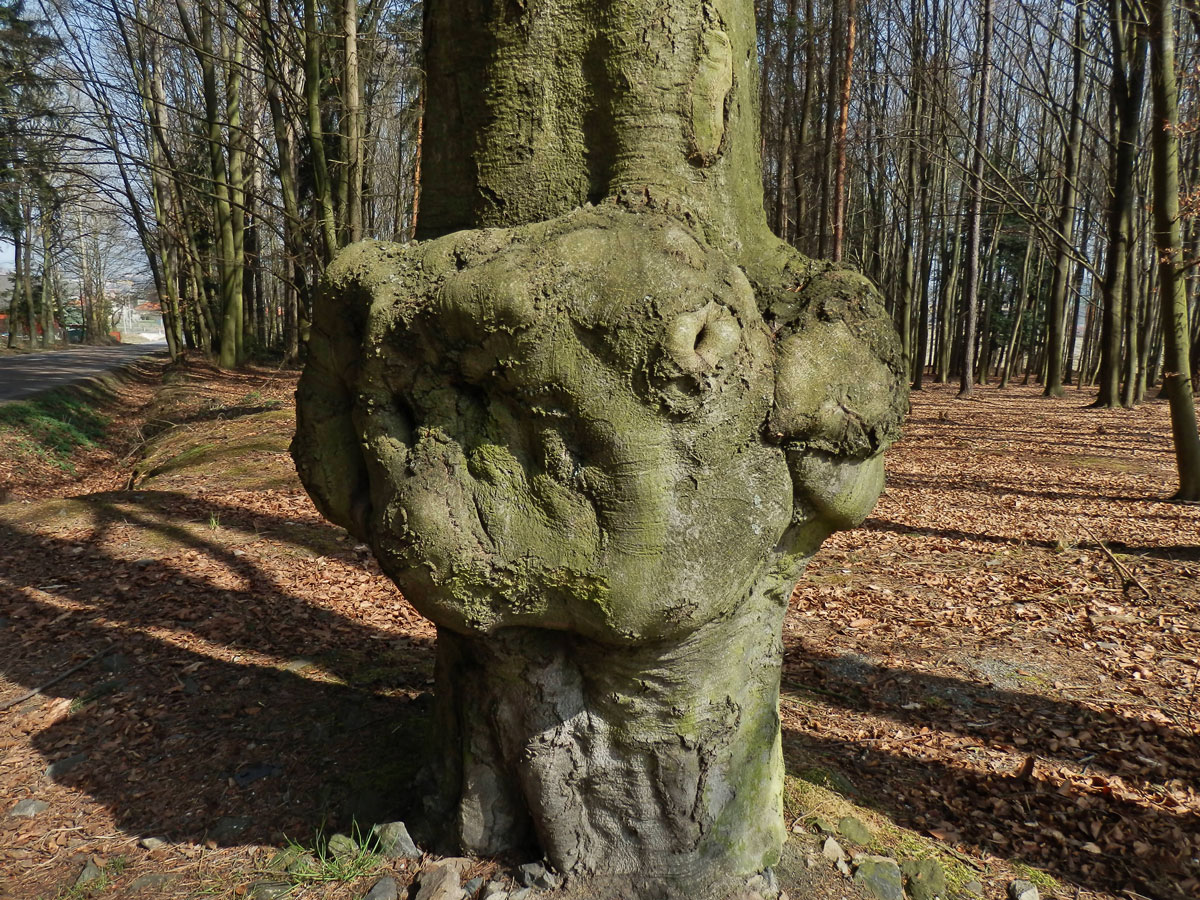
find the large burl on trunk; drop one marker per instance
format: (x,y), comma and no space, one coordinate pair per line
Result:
(593,425)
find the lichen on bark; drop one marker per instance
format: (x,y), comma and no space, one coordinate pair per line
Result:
(593,426)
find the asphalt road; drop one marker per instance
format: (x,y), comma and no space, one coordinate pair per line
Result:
(29,373)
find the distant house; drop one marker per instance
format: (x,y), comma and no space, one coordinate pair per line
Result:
(141,323)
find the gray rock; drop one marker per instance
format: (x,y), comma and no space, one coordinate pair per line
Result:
(924,879)
(832,850)
(150,882)
(880,876)
(341,845)
(843,867)
(764,884)
(472,887)
(824,826)
(530,873)
(384,889)
(522,894)
(269,890)
(974,887)
(441,880)
(90,873)
(494,888)
(394,841)
(854,831)
(1022,890)
(229,828)
(152,843)
(29,808)
(57,770)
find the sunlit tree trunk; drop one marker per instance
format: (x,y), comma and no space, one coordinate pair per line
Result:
(1177,378)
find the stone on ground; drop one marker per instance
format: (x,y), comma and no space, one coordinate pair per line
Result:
(29,808)
(880,876)
(832,850)
(924,878)
(1022,890)
(57,770)
(442,880)
(341,845)
(854,831)
(150,882)
(384,889)
(90,873)
(394,841)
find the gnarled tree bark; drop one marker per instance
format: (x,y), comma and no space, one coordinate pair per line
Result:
(593,425)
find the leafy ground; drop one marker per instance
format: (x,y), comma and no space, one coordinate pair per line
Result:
(998,669)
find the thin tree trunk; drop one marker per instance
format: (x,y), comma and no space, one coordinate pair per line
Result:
(353,113)
(839,186)
(1055,310)
(971,279)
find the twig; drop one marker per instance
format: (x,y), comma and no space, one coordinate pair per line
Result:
(1127,577)
(53,681)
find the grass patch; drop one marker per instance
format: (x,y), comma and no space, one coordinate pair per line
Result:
(329,859)
(54,425)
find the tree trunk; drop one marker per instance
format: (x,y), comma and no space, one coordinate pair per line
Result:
(1056,308)
(353,115)
(1129,42)
(322,187)
(974,223)
(1177,377)
(541,446)
(839,179)
(45,306)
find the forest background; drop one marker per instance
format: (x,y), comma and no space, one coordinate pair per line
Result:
(238,144)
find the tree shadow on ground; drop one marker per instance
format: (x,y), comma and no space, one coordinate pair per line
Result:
(229,708)
(1172,552)
(311,721)
(1086,776)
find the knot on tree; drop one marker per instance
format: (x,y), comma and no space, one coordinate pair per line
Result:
(581,448)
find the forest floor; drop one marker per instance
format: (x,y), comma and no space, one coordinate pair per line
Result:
(999,669)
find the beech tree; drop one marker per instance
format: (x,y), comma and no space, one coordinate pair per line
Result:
(1168,238)
(593,424)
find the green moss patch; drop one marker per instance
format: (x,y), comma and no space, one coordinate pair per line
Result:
(53,425)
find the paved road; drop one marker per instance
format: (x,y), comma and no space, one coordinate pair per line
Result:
(28,373)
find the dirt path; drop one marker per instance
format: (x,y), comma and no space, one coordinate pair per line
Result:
(969,673)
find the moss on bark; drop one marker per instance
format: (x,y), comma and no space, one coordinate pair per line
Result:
(593,427)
